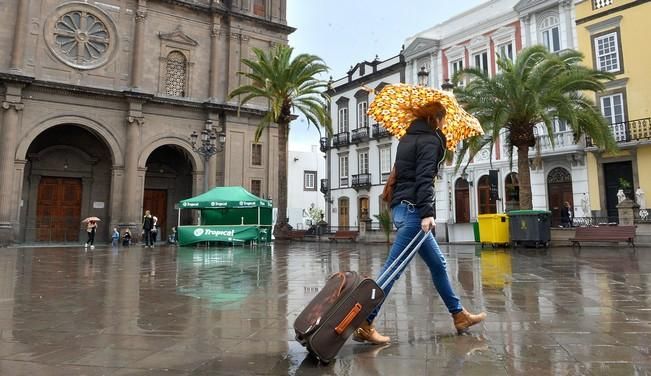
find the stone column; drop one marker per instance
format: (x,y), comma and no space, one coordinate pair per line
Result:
(8,141)
(138,45)
(567,24)
(526,31)
(626,211)
(234,56)
(131,209)
(215,36)
(20,34)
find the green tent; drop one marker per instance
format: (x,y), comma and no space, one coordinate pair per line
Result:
(230,214)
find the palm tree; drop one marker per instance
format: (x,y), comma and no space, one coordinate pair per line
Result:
(539,87)
(287,84)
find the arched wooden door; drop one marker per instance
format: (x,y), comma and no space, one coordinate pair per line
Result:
(559,190)
(343,212)
(486,205)
(462,201)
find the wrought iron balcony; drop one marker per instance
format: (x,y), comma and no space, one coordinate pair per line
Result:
(340,139)
(359,135)
(361,181)
(324,143)
(324,186)
(629,131)
(379,132)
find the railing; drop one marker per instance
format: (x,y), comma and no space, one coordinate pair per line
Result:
(379,132)
(562,140)
(627,131)
(340,139)
(594,221)
(359,135)
(361,180)
(597,4)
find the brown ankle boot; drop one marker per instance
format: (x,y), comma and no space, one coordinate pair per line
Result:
(464,320)
(367,333)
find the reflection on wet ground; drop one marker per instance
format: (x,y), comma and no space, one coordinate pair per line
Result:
(229,311)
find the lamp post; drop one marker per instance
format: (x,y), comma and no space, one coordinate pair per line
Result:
(447,85)
(207,144)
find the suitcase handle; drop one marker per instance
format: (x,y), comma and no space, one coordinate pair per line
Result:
(343,325)
(391,271)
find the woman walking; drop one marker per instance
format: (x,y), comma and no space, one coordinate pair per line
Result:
(420,150)
(91,228)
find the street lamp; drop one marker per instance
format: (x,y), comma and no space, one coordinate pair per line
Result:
(423,76)
(207,144)
(447,85)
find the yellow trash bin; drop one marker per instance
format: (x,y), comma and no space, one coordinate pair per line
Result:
(493,228)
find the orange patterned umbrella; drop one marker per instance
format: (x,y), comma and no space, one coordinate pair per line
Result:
(394,107)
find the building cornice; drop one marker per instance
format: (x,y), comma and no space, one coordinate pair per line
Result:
(130,95)
(361,81)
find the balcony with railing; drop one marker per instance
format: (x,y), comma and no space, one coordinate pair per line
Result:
(361,181)
(359,135)
(559,142)
(340,139)
(629,131)
(598,4)
(379,132)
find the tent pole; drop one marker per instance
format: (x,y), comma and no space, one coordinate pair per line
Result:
(258,216)
(178,222)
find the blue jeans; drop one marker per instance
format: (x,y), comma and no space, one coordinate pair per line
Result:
(407,221)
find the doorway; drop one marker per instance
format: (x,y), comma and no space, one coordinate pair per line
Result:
(559,190)
(613,172)
(343,213)
(462,201)
(486,205)
(58,209)
(155,200)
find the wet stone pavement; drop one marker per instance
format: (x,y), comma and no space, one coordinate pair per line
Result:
(229,311)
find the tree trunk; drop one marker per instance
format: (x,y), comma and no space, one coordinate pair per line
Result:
(524,176)
(280,231)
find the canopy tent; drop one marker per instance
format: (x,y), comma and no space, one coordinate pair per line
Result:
(230,214)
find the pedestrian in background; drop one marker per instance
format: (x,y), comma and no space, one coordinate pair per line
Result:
(91,228)
(154,230)
(147,225)
(115,237)
(566,215)
(126,238)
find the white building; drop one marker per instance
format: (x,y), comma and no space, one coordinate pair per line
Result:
(360,153)
(304,171)
(474,39)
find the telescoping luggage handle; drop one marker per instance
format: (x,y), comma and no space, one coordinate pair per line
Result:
(391,271)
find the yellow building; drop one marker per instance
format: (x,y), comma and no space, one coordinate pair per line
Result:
(614,36)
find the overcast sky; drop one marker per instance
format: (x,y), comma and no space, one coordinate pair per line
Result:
(346,32)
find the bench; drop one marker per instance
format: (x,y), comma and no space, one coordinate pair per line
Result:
(296,234)
(343,235)
(613,234)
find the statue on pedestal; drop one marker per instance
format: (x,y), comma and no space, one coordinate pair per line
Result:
(585,205)
(640,198)
(620,196)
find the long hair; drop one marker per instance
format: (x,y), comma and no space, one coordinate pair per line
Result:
(432,113)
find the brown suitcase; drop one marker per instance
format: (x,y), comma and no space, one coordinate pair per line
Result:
(342,305)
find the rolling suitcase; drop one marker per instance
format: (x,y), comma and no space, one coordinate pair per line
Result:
(344,302)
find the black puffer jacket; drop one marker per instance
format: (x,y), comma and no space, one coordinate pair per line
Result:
(419,153)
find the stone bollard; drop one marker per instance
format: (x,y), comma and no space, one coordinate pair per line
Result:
(626,211)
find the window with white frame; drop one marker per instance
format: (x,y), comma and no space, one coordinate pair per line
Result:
(612,108)
(385,163)
(343,170)
(362,116)
(309,180)
(560,126)
(481,61)
(606,50)
(505,51)
(362,160)
(456,66)
(342,120)
(550,33)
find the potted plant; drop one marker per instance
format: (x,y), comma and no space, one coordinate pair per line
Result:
(627,187)
(385,222)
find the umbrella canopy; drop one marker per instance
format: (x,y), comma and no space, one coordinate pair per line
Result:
(396,106)
(93,219)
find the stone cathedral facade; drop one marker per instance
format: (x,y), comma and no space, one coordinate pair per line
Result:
(98,100)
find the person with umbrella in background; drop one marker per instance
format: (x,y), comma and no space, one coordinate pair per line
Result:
(427,122)
(91,229)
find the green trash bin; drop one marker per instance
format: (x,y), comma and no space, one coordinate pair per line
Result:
(475,230)
(530,227)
